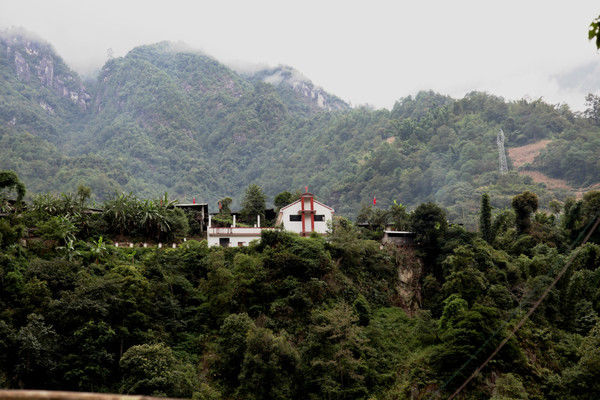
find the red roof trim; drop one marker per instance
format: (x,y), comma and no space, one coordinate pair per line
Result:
(324,205)
(291,204)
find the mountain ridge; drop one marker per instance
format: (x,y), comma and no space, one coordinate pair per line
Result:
(166,118)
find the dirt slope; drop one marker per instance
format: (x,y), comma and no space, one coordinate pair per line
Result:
(551,183)
(523,155)
(526,154)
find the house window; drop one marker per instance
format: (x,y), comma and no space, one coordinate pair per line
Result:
(224,242)
(319,218)
(295,218)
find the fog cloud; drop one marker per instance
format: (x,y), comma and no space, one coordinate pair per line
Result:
(365,52)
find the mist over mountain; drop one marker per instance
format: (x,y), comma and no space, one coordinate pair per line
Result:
(585,77)
(289,82)
(167,118)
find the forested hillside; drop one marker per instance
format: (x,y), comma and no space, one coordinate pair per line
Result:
(166,118)
(335,317)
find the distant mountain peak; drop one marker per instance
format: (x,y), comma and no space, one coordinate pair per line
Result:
(288,77)
(35,61)
(167,47)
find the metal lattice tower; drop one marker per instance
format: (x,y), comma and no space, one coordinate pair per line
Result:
(503,166)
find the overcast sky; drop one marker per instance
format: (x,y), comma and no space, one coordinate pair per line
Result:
(371,52)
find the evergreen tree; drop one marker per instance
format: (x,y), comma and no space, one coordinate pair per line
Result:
(485,219)
(253,203)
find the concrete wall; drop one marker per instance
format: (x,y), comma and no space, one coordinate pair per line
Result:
(236,235)
(294,209)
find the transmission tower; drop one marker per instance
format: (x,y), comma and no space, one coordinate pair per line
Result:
(501,153)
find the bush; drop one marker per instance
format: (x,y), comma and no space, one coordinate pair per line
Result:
(153,369)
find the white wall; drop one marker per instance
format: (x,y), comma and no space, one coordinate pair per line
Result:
(233,241)
(321,226)
(293,226)
(236,235)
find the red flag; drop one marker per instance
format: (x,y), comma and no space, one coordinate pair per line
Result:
(305,189)
(374,201)
(193,200)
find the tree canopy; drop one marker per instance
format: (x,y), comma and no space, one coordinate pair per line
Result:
(294,317)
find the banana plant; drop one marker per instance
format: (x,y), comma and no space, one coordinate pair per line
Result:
(98,248)
(69,250)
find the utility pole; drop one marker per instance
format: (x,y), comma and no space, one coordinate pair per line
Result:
(503,166)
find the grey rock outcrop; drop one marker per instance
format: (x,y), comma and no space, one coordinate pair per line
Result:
(22,67)
(35,59)
(285,76)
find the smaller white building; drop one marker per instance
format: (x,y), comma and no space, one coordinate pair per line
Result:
(305,216)
(233,235)
(399,238)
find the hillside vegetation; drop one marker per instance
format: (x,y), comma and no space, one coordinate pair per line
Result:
(165,118)
(336,317)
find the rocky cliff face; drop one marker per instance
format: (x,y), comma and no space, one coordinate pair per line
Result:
(35,63)
(410,272)
(288,77)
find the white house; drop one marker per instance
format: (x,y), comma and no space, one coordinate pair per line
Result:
(304,216)
(233,235)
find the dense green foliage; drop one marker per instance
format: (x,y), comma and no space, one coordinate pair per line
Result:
(291,317)
(573,159)
(524,205)
(485,219)
(594,31)
(165,118)
(9,182)
(253,204)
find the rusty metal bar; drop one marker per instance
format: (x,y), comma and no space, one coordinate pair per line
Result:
(61,395)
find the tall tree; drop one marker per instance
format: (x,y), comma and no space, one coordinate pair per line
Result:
(9,180)
(399,217)
(83,194)
(10,229)
(284,198)
(593,108)
(253,203)
(225,205)
(485,219)
(524,205)
(430,224)
(269,366)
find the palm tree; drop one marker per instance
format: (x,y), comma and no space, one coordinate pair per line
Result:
(121,212)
